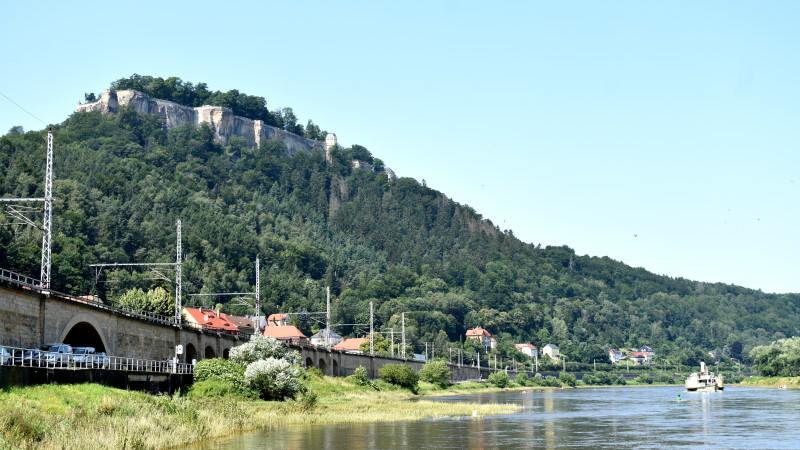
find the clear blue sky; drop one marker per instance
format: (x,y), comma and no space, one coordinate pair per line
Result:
(661,134)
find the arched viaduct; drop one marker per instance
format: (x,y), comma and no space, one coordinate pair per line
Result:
(29,318)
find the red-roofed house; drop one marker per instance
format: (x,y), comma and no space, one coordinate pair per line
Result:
(351,345)
(528,349)
(280,320)
(482,336)
(210,319)
(640,357)
(288,333)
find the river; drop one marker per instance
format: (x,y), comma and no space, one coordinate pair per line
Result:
(632,417)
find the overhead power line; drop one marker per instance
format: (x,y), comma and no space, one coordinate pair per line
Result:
(20,107)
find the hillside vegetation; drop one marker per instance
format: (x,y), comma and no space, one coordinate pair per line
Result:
(122,181)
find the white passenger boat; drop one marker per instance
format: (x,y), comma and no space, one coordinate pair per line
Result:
(704,380)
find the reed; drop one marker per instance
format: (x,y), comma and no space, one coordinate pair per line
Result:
(97,417)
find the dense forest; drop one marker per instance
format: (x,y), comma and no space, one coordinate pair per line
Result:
(123,180)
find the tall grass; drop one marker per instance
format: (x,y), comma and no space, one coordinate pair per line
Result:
(90,416)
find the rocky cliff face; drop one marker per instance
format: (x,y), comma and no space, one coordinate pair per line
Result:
(223,123)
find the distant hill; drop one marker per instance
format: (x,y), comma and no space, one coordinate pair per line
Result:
(124,178)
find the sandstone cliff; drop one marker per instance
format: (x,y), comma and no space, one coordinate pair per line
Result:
(221,120)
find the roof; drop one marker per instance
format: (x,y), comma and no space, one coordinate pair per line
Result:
(273,319)
(478,331)
(283,332)
(241,322)
(551,346)
(210,318)
(350,344)
(640,354)
(327,333)
(521,346)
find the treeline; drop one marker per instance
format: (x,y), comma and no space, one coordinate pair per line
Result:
(122,181)
(194,95)
(778,359)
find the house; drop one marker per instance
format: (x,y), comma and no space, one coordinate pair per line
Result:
(278,320)
(245,325)
(484,337)
(641,357)
(210,319)
(615,356)
(551,350)
(647,349)
(352,345)
(287,333)
(528,349)
(326,338)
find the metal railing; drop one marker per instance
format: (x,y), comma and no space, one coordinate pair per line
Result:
(26,357)
(14,277)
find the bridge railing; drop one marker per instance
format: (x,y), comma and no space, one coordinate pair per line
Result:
(14,277)
(27,357)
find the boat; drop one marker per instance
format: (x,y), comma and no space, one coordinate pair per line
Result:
(704,380)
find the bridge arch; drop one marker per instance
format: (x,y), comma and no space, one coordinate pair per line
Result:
(209,353)
(191,353)
(309,362)
(322,365)
(335,370)
(81,331)
(226,353)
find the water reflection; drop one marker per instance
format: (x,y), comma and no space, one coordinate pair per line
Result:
(597,418)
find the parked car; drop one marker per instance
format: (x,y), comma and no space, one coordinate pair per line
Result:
(83,356)
(5,356)
(58,355)
(101,360)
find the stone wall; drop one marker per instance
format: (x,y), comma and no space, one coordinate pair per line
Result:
(224,124)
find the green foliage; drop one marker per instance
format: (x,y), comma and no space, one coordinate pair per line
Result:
(567,379)
(499,379)
(604,379)
(436,372)
(400,375)
(644,378)
(778,359)
(360,376)
(218,388)
(218,369)
(522,379)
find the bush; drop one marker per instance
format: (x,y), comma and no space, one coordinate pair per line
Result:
(260,347)
(399,375)
(314,372)
(644,378)
(436,372)
(551,382)
(360,376)
(499,379)
(568,379)
(273,379)
(522,379)
(223,370)
(218,388)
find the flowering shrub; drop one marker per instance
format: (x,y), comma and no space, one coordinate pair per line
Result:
(259,347)
(273,379)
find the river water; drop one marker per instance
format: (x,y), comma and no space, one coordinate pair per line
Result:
(633,417)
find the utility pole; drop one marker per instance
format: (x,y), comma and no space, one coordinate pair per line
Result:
(391,330)
(47,221)
(178,276)
(426,351)
(328,316)
(257,315)
(403,350)
(371,332)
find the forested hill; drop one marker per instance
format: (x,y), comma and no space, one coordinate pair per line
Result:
(122,181)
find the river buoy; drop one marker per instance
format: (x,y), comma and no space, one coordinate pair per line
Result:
(679,397)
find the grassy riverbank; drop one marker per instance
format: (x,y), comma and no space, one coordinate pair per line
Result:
(93,416)
(772,382)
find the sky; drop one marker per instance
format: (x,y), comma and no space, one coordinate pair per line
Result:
(661,134)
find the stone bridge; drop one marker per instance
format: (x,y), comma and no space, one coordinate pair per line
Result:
(29,318)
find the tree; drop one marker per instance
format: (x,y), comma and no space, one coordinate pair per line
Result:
(436,372)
